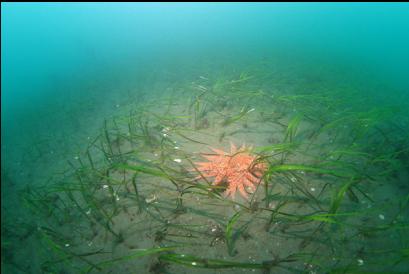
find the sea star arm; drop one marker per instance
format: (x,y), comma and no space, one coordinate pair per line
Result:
(242,191)
(230,191)
(218,151)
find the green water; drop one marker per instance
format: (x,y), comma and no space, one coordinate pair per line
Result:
(108,109)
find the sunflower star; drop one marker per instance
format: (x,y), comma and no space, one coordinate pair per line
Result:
(239,169)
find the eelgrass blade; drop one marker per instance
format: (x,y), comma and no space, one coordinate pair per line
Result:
(144,169)
(133,255)
(282,168)
(197,262)
(230,239)
(292,128)
(339,195)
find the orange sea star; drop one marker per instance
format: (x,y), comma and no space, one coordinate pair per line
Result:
(239,170)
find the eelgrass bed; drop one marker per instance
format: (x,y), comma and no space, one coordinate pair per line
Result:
(333,197)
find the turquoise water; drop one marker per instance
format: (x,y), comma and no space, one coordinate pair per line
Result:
(108,110)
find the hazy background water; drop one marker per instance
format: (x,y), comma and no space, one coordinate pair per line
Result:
(49,46)
(66,67)
(55,56)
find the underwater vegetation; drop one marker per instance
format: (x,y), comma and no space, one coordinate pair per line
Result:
(318,184)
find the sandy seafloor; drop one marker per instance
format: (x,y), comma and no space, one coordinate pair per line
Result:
(43,231)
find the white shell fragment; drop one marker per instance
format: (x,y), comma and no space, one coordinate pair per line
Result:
(151,199)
